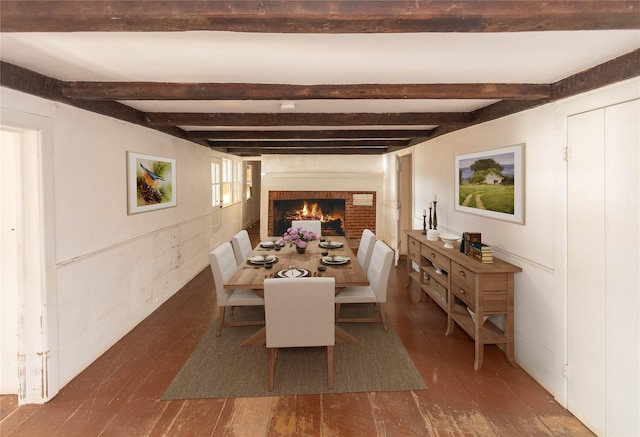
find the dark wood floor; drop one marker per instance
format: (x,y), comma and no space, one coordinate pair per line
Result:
(119,394)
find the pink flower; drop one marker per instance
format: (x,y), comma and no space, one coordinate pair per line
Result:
(298,237)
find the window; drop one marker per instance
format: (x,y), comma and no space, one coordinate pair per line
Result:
(227,176)
(216,181)
(237,181)
(248,182)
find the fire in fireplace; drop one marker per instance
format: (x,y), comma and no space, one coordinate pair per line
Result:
(331,213)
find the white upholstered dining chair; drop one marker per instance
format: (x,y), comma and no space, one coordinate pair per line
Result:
(299,312)
(365,248)
(241,246)
(376,291)
(223,265)
(308,225)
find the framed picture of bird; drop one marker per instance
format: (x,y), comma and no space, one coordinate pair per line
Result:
(151,182)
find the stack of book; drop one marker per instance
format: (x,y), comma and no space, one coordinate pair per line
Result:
(472,246)
(481,252)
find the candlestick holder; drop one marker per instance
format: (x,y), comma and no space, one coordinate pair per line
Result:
(430,222)
(424,225)
(435,216)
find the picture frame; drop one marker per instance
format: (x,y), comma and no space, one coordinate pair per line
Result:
(151,183)
(491,183)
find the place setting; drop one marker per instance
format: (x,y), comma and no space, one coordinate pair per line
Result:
(262,260)
(335,260)
(331,244)
(269,244)
(292,272)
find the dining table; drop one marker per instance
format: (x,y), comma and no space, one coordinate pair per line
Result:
(329,257)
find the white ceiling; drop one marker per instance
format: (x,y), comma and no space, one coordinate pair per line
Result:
(197,56)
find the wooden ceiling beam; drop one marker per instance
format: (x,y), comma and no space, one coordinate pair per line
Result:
(330,144)
(259,91)
(616,70)
(257,151)
(304,119)
(336,16)
(305,134)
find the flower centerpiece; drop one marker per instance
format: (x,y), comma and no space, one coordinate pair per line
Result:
(299,238)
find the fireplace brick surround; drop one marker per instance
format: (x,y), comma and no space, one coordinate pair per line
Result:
(357,218)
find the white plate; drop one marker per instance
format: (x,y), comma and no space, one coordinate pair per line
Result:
(259,259)
(331,244)
(335,260)
(292,273)
(267,244)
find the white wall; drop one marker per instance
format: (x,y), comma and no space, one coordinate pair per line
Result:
(321,172)
(113,269)
(539,245)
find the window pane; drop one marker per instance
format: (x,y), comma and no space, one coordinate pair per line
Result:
(216,199)
(227,198)
(249,182)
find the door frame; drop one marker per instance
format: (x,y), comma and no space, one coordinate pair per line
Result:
(38,367)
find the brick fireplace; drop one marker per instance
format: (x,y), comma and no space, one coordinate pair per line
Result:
(337,208)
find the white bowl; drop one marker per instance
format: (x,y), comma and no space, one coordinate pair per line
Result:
(448,239)
(473,316)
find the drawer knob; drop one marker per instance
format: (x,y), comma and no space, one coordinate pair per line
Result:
(432,255)
(462,291)
(461,273)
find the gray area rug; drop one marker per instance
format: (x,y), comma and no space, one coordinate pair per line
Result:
(220,368)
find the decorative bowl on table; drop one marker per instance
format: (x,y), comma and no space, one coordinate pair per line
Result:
(448,239)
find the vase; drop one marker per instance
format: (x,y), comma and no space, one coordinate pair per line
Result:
(301,250)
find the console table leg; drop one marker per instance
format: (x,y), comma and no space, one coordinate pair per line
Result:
(479,356)
(450,326)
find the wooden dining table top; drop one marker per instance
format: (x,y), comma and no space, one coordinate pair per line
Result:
(253,276)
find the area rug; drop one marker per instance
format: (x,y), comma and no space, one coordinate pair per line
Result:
(220,368)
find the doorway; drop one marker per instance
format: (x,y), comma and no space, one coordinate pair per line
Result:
(10,141)
(404,196)
(27,239)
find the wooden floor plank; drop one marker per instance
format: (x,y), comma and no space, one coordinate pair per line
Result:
(296,416)
(119,394)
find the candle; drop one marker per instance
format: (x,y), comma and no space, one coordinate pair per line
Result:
(435,197)
(431,205)
(424,212)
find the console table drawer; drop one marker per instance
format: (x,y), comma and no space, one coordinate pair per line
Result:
(436,258)
(414,248)
(464,291)
(463,274)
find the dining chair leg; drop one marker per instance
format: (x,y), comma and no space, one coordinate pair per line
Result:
(338,311)
(383,315)
(273,353)
(221,317)
(330,367)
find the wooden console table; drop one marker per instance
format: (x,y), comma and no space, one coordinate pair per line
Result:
(454,281)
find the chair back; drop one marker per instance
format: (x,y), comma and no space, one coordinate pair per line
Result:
(365,248)
(223,265)
(299,312)
(379,269)
(241,246)
(308,225)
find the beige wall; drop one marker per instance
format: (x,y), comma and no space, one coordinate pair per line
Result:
(538,245)
(112,269)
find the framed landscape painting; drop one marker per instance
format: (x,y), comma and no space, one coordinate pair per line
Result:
(491,183)
(151,182)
